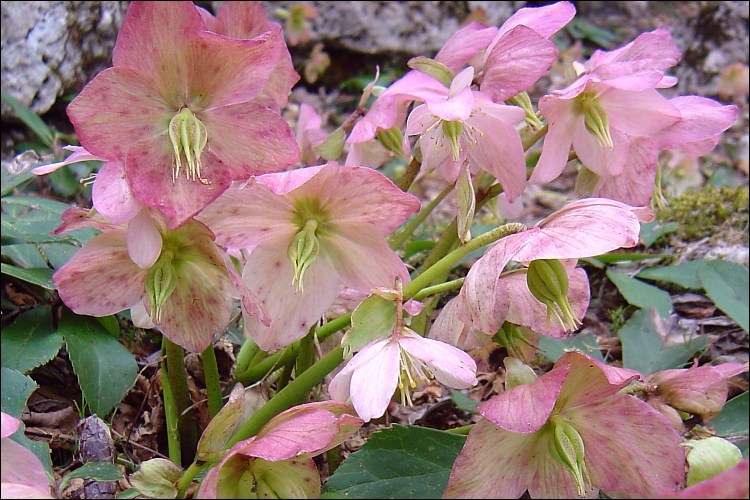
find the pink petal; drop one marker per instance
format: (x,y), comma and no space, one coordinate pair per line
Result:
(249,139)
(455,108)
(10,424)
(635,185)
(144,239)
(546,20)
(526,407)
(149,172)
(356,243)
(79,155)
(625,434)
(701,119)
(111,194)
(464,44)
(589,380)
(641,113)
(551,479)
(77,218)
(282,183)
(516,60)
(485,469)
(732,483)
(116,109)
(450,329)
(451,366)
(373,382)
(23,475)
(359,195)
(268,274)
(562,122)
(101,279)
(526,310)
(201,304)
(597,158)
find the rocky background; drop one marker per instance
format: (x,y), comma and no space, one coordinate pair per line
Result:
(51,49)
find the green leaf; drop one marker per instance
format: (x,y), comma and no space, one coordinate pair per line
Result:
(30,119)
(641,294)
(414,247)
(684,275)
(643,349)
(726,283)
(9,180)
(16,389)
(552,349)
(401,462)
(652,231)
(25,255)
(38,276)
(105,369)
(463,402)
(128,494)
(733,422)
(98,471)
(372,319)
(29,341)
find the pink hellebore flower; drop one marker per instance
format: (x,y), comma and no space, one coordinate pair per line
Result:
(569,434)
(467,125)
(698,390)
(277,463)
(23,475)
(309,134)
(307,231)
(489,296)
(401,360)
(177,108)
(178,275)
(614,101)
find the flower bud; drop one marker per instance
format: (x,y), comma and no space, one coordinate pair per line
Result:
(466,203)
(523,101)
(157,478)
(710,456)
(392,139)
(517,373)
(303,251)
(188,136)
(438,71)
(548,283)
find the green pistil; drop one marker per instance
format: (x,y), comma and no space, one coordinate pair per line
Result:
(303,251)
(566,447)
(160,282)
(594,117)
(548,283)
(453,130)
(188,136)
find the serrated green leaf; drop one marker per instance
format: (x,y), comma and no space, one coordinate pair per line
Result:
(552,349)
(643,349)
(30,119)
(38,276)
(641,294)
(16,389)
(29,341)
(98,471)
(105,369)
(402,462)
(726,283)
(684,275)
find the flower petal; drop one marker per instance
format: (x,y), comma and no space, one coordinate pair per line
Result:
(562,122)
(546,20)
(590,380)
(374,382)
(23,475)
(79,155)
(111,194)
(486,469)
(144,240)
(451,366)
(449,328)
(641,114)
(101,279)
(464,44)
(635,185)
(701,119)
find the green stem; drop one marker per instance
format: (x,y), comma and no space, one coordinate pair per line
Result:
(294,393)
(333,457)
(286,374)
(306,355)
(407,178)
(441,288)
(187,425)
(259,370)
(186,479)
(397,240)
(462,431)
(213,387)
(530,141)
(246,355)
(444,245)
(444,265)
(171,415)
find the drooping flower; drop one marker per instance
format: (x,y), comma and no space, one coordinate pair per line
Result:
(548,294)
(307,231)
(176,109)
(178,275)
(569,434)
(401,360)
(23,475)
(277,462)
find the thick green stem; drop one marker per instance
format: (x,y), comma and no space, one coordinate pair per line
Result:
(171,415)
(444,265)
(213,387)
(186,479)
(187,425)
(246,355)
(293,394)
(396,240)
(530,141)
(441,288)
(445,244)
(407,178)
(306,355)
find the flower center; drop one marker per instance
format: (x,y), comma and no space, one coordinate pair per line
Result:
(452,130)
(188,136)
(413,371)
(548,283)
(160,282)
(566,447)
(303,251)
(594,117)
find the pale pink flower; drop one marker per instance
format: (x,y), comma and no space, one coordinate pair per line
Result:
(401,360)
(307,231)
(583,228)
(309,134)
(176,109)
(467,126)
(569,434)
(179,276)
(277,462)
(23,474)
